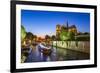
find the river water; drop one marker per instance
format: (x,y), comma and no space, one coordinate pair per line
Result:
(57,54)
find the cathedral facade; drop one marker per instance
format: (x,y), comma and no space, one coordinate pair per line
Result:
(65,28)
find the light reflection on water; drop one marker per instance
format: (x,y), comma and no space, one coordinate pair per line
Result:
(66,54)
(58,54)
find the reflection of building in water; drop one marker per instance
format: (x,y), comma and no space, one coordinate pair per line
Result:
(66,28)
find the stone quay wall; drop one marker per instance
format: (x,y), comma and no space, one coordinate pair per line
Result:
(82,46)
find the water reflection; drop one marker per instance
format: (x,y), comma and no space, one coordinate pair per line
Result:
(66,54)
(57,54)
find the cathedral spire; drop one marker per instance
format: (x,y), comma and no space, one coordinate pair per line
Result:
(67,24)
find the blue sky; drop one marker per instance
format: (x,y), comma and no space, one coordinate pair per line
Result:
(44,22)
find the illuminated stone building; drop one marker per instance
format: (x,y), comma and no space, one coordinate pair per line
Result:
(66,28)
(73,29)
(58,30)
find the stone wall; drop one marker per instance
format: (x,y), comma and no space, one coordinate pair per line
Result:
(82,46)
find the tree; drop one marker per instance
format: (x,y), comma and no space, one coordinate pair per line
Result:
(23,32)
(47,37)
(53,37)
(64,36)
(86,33)
(71,36)
(35,37)
(29,36)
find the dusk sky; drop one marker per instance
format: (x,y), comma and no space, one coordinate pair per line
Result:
(44,22)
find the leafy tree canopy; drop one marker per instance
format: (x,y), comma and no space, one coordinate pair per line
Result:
(64,36)
(23,32)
